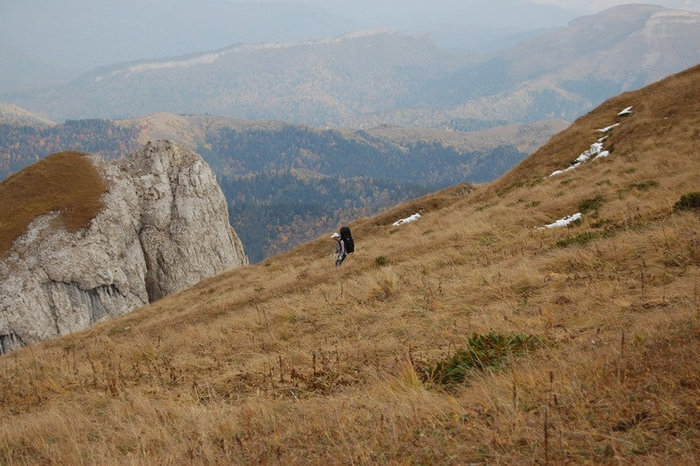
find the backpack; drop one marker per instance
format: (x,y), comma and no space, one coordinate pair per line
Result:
(346,236)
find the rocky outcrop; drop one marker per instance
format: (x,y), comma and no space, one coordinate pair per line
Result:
(163,228)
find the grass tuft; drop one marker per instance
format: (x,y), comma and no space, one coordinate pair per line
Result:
(593,204)
(578,240)
(481,351)
(688,201)
(381,261)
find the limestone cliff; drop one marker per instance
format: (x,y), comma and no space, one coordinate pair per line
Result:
(163,227)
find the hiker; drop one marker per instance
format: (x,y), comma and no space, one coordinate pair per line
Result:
(340,252)
(344,244)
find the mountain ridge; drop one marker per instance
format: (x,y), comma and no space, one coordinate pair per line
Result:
(399,79)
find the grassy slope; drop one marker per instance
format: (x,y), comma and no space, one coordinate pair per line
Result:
(65,182)
(292,361)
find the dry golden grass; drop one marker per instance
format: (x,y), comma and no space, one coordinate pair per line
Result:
(292,361)
(66,182)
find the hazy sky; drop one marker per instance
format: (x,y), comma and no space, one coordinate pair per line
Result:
(582,6)
(598,5)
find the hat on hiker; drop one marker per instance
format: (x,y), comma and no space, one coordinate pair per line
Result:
(335,235)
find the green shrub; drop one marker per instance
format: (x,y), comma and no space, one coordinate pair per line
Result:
(688,201)
(481,351)
(381,261)
(644,185)
(578,240)
(588,205)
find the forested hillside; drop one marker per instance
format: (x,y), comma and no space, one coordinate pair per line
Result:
(23,145)
(284,183)
(288,185)
(273,211)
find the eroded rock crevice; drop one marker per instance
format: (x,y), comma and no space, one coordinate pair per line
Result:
(10,342)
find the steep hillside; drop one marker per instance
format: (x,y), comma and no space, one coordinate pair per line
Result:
(475,334)
(369,78)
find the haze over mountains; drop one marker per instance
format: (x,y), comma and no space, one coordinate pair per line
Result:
(46,43)
(379,77)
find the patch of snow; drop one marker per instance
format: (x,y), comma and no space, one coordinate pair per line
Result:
(559,172)
(607,128)
(626,111)
(562,222)
(410,219)
(596,150)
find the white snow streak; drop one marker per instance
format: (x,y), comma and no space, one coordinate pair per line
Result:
(562,222)
(596,149)
(626,111)
(410,219)
(607,128)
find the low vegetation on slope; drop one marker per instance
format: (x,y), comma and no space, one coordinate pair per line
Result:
(565,341)
(66,183)
(24,144)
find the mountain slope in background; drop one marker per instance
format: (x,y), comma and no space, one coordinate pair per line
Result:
(314,82)
(284,183)
(565,72)
(372,78)
(16,116)
(49,43)
(472,335)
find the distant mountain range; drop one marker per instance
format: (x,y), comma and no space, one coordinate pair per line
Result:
(46,43)
(378,77)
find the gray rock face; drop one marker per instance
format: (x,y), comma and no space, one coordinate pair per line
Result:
(164,228)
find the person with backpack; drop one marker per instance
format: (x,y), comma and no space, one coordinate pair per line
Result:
(340,252)
(344,245)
